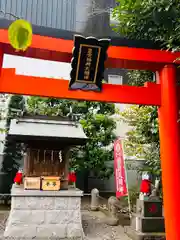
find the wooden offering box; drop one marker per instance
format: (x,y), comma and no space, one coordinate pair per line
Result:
(50,183)
(32,183)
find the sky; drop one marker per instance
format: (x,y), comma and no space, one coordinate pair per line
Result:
(37,67)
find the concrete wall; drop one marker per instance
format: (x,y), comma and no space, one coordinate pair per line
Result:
(94,19)
(133,178)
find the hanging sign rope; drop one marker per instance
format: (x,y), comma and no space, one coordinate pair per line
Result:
(20,34)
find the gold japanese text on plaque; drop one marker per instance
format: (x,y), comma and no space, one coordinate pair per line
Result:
(88,62)
(50,183)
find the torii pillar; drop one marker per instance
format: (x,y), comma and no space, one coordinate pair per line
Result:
(170,150)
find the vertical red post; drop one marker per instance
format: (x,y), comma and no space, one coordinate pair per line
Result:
(1,57)
(170,151)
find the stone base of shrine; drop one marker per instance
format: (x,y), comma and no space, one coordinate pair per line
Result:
(136,235)
(45,215)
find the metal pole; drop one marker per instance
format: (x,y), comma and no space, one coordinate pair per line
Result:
(127,185)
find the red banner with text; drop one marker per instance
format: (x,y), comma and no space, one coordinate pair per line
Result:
(119,170)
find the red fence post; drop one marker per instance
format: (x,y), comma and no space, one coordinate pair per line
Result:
(170,150)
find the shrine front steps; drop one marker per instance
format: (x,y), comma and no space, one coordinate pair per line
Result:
(44,215)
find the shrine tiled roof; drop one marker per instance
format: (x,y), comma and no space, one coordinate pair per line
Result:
(33,128)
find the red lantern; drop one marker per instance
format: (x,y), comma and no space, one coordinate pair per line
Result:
(145,187)
(72,177)
(18,178)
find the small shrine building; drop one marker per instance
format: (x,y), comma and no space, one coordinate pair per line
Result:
(44,202)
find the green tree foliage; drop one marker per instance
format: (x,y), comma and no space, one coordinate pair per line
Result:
(12,158)
(138,78)
(143,138)
(159,21)
(97,124)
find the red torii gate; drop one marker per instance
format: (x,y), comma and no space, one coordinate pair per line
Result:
(164,94)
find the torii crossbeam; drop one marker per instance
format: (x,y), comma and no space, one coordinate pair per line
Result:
(165,94)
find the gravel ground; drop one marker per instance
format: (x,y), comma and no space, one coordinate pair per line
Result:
(3,219)
(96,229)
(93,225)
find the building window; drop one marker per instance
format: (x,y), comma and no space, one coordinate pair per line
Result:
(115,79)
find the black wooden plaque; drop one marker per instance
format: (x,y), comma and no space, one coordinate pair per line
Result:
(89,55)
